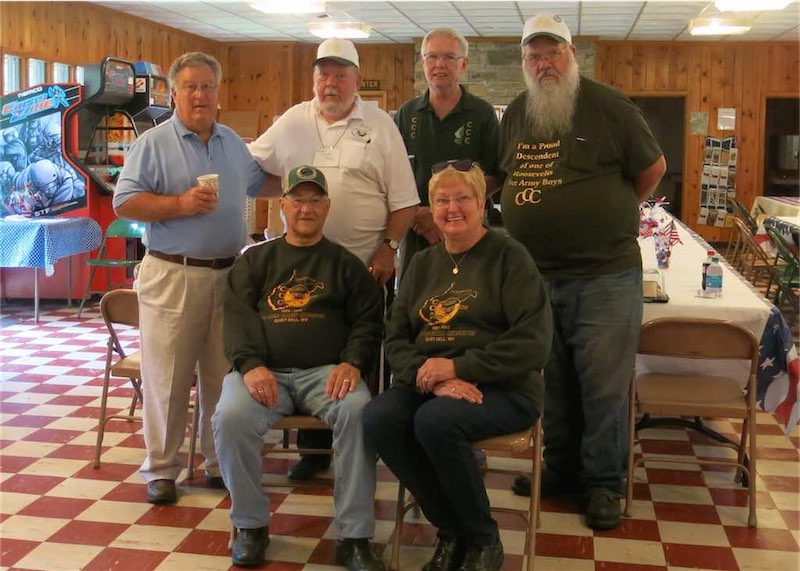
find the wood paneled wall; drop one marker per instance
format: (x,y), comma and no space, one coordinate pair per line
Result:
(79,33)
(709,75)
(272,76)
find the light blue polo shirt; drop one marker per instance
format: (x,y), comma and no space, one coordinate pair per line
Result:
(167,159)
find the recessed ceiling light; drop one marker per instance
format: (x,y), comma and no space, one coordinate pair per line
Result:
(289,6)
(349,30)
(718,26)
(750,5)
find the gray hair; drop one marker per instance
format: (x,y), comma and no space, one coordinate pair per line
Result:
(449,33)
(194,59)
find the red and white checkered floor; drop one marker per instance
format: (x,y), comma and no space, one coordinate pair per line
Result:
(60,513)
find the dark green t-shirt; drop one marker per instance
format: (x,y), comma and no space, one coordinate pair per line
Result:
(571,201)
(469,131)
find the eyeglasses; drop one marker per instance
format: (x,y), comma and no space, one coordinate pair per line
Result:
(463,165)
(444,58)
(462,200)
(203,87)
(316,202)
(551,57)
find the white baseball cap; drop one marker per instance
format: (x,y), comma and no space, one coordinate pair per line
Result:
(339,50)
(546,25)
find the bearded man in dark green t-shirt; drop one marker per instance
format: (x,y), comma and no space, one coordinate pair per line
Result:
(579,158)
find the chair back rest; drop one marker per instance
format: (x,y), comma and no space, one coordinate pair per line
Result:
(780,244)
(749,240)
(119,307)
(745,215)
(695,338)
(125,228)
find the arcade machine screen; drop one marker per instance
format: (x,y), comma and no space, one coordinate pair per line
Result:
(159,92)
(36,178)
(118,80)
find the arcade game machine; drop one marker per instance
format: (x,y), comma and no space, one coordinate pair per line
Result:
(38,177)
(151,100)
(105,131)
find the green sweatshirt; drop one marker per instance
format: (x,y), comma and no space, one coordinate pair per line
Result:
(301,307)
(492,318)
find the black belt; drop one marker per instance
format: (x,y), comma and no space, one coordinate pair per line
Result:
(213,263)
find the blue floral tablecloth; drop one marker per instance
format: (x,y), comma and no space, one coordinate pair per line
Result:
(40,242)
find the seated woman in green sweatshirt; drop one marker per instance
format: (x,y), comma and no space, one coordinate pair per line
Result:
(467,338)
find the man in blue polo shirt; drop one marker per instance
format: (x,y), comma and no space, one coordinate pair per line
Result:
(193,233)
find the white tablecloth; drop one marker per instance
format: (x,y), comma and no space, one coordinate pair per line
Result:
(776,206)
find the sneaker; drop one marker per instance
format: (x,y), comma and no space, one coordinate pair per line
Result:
(603,510)
(357,555)
(250,547)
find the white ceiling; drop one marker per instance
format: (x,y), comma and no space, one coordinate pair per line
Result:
(403,20)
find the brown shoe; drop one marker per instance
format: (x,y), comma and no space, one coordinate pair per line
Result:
(161,492)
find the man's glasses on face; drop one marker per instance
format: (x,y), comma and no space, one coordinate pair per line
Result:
(463,165)
(314,202)
(202,87)
(551,57)
(447,59)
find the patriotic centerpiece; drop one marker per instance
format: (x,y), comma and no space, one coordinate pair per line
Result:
(654,221)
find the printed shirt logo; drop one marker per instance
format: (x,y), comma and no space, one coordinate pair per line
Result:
(442,308)
(294,294)
(463,135)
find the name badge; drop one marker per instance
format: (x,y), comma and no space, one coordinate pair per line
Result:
(327,157)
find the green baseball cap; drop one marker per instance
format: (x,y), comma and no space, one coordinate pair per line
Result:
(305,173)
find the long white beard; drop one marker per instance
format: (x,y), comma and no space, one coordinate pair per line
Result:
(550,107)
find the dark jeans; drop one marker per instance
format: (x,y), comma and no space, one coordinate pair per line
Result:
(595,332)
(425,440)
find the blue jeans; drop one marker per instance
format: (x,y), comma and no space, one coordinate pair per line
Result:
(240,423)
(595,334)
(425,441)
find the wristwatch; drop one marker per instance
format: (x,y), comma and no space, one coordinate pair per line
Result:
(393,244)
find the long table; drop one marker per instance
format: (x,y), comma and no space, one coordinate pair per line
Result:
(777,389)
(776,206)
(39,242)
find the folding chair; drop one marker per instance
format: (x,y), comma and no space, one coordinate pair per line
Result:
(119,228)
(517,443)
(698,395)
(120,308)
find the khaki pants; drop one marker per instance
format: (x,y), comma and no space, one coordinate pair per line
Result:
(180,314)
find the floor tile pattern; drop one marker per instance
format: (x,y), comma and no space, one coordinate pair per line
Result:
(58,512)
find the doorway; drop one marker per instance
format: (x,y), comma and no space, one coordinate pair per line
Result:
(666,116)
(782,147)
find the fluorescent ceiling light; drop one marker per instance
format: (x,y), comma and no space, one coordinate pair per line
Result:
(350,30)
(750,5)
(289,6)
(718,26)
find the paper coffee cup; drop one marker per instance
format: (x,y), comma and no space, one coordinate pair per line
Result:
(209,181)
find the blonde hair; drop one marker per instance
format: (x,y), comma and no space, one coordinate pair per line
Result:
(473,178)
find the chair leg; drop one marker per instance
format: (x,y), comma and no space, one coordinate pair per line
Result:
(87,290)
(398,527)
(751,520)
(536,479)
(101,421)
(193,436)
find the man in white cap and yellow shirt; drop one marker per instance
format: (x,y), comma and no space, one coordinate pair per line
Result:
(579,158)
(361,153)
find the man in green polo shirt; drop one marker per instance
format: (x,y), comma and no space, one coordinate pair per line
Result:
(444,123)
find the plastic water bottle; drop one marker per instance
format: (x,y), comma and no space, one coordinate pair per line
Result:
(714,278)
(706,263)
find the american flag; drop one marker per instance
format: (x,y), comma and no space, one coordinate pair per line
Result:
(674,238)
(779,371)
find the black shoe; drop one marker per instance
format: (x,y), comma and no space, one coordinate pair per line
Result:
(552,485)
(357,555)
(308,467)
(603,510)
(216,482)
(250,546)
(161,492)
(446,557)
(483,558)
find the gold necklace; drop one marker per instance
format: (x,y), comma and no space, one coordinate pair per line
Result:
(455,265)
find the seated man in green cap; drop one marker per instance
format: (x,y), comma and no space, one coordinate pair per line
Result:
(302,324)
